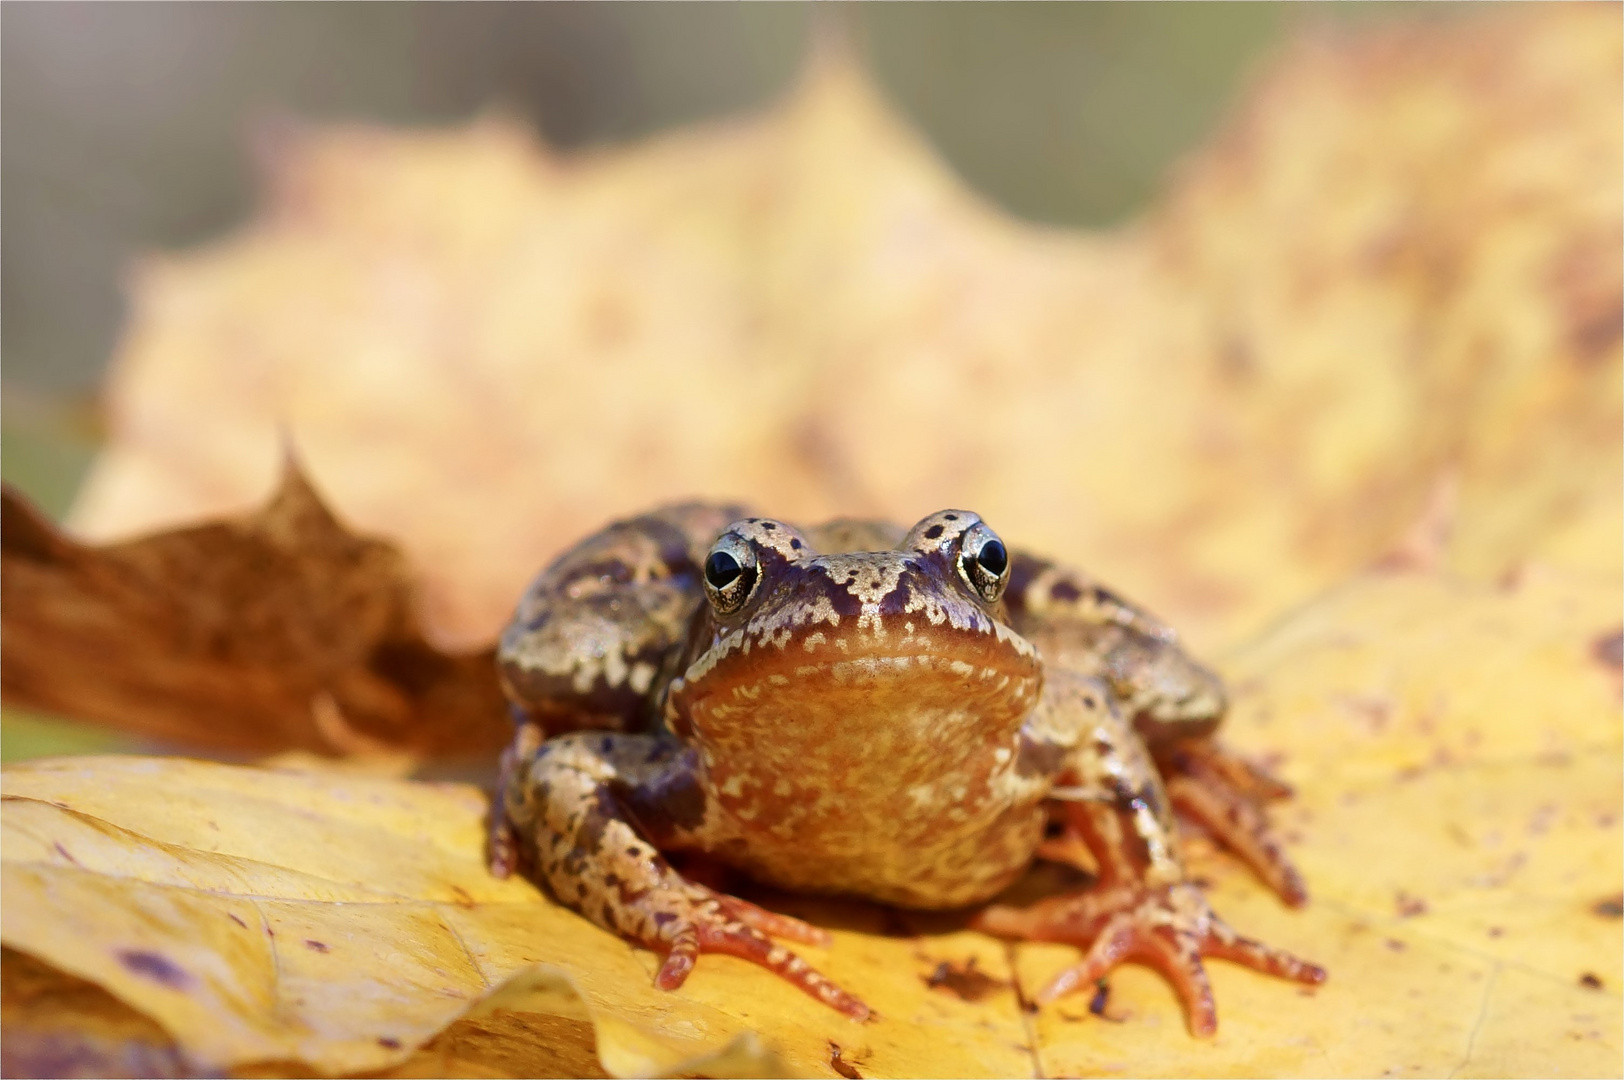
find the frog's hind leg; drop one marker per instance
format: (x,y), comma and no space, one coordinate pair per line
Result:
(589,803)
(1224,794)
(1141,907)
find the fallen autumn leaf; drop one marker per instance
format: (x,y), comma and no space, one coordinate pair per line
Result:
(1375,323)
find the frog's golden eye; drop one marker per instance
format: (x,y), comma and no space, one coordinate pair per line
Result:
(731,573)
(984,562)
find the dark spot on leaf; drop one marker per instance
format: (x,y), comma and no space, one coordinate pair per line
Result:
(1590,981)
(318,946)
(1609,649)
(1409,906)
(965,981)
(840,1064)
(154,966)
(1097,1003)
(388,1042)
(1609,907)
(1395,944)
(236,920)
(62,851)
(461,897)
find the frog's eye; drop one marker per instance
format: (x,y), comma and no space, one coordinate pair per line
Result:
(984,562)
(731,574)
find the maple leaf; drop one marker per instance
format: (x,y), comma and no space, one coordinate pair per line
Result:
(1359,365)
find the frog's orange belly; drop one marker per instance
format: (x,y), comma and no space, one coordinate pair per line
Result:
(911,863)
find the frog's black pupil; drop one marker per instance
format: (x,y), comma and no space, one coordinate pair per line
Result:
(720,569)
(993,558)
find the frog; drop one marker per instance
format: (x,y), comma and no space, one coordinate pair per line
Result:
(906,716)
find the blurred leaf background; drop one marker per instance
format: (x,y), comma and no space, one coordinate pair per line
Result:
(129,128)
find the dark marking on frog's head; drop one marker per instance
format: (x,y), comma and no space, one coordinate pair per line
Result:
(797,641)
(1066,591)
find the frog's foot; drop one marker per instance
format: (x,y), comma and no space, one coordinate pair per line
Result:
(691,919)
(1169,928)
(1224,794)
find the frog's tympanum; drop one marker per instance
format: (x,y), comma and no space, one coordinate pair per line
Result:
(908,717)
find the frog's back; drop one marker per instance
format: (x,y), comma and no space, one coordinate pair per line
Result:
(596,633)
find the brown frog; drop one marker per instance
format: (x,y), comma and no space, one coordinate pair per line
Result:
(908,717)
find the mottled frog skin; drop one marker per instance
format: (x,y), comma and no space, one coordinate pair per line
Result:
(910,717)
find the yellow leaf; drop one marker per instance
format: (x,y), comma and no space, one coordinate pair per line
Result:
(1455,749)
(1397,267)
(1376,322)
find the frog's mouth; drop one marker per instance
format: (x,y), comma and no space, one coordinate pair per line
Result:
(877,695)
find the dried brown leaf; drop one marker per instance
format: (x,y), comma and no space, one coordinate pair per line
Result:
(304,634)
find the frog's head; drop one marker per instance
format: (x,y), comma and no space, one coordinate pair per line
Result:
(857,654)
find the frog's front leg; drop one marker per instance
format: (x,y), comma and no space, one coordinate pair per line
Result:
(1142,907)
(589,804)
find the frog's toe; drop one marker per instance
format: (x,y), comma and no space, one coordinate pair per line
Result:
(728,933)
(1169,929)
(1224,794)
(1241,826)
(1126,938)
(773,924)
